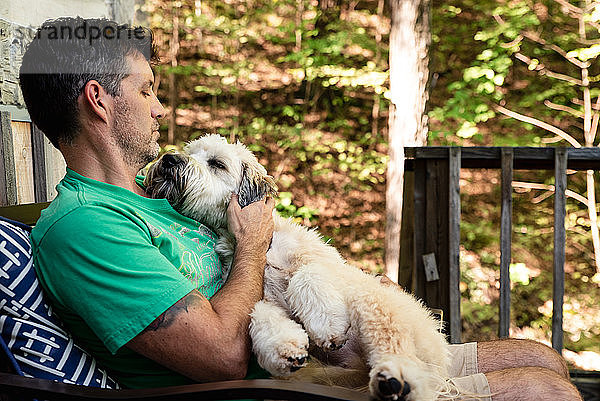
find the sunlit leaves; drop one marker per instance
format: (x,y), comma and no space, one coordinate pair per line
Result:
(586,53)
(335,75)
(519,273)
(467,130)
(287,208)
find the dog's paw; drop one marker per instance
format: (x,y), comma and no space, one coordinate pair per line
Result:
(394,377)
(286,358)
(384,386)
(320,305)
(280,344)
(295,357)
(329,341)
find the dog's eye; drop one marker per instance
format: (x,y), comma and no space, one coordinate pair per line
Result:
(215,163)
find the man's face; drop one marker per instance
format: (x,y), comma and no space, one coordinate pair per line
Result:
(136,112)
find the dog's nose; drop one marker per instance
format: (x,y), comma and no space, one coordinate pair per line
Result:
(171,160)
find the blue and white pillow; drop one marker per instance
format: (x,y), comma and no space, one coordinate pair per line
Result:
(31,335)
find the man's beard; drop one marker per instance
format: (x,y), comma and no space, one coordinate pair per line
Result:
(137,147)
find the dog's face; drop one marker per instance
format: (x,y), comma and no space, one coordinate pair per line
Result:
(199,182)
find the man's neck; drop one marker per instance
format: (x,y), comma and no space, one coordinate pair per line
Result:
(101,165)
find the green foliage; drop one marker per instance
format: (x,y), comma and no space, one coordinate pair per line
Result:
(514,61)
(286,208)
(354,158)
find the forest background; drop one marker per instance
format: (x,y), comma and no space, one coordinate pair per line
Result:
(305,84)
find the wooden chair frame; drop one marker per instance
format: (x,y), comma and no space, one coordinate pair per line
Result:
(17,387)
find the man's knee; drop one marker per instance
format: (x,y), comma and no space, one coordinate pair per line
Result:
(548,357)
(514,353)
(531,383)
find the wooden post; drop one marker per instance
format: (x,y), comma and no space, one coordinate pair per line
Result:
(432,229)
(7,164)
(419,227)
(23,159)
(39,164)
(454,243)
(560,183)
(436,232)
(505,241)
(406,271)
(431,203)
(30,167)
(55,168)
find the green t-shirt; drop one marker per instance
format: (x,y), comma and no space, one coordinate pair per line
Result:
(112,261)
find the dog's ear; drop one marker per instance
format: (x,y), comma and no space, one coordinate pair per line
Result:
(254,186)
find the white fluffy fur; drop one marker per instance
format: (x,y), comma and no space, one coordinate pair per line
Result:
(311,292)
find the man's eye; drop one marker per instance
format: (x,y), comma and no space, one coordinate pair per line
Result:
(146,93)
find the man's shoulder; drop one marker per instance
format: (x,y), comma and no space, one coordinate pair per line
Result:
(61,206)
(69,214)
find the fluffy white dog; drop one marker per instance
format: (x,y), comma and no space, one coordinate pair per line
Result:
(310,292)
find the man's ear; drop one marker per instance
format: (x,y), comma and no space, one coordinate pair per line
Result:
(96,100)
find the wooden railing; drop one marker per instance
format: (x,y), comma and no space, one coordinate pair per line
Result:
(430,249)
(30,167)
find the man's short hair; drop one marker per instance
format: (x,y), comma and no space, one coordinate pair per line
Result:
(65,54)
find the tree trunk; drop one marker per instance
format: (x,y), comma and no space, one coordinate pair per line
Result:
(172,83)
(299,12)
(409,74)
(377,97)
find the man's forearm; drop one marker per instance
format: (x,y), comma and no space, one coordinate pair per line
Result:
(217,345)
(243,289)
(252,228)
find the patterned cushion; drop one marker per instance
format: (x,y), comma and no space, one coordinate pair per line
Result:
(35,337)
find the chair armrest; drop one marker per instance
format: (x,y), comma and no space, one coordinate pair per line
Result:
(28,213)
(21,387)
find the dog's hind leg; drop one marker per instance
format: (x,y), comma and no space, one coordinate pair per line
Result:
(315,299)
(396,371)
(279,343)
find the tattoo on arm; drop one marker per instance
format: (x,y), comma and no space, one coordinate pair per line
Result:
(170,315)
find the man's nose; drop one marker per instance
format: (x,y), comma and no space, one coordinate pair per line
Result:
(158,111)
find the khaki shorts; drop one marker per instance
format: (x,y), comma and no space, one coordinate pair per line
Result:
(464,373)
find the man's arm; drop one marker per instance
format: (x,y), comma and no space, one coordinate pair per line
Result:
(208,340)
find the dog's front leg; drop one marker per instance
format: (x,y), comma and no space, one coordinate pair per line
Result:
(279,343)
(314,297)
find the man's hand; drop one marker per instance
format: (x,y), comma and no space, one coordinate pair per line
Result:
(251,226)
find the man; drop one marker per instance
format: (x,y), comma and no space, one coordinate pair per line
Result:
(137,283)
(110,259)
